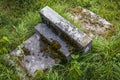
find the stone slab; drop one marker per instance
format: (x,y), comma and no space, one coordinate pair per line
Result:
(63,27)
(54,41)
(92,24)
(32,57)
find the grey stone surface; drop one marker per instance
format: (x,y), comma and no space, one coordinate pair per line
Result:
(21,71)
(54,40)
(91,23)
(55,35)
(64,28)
(33,58)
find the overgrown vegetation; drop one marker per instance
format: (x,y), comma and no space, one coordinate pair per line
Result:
(17,21)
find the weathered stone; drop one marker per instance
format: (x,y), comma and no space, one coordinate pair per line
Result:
(55,42)
(21,71)
(31,56)
(91,23)
(65,29)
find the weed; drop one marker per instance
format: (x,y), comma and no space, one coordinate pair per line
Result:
(17,21)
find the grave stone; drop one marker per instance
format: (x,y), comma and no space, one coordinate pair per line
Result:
(54,41)
(90,23)
(32,57)
(61,48)
(66,30)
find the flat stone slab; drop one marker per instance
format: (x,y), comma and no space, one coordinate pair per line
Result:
(91,23)
(32,57)
(55,42)
(65,29)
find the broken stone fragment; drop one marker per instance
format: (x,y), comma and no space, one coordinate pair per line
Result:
(54,42)
(33,58)
(66,30)
(91,23)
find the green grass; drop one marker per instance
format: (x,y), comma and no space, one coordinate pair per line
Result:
(17,21)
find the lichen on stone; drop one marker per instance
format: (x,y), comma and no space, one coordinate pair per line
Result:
(91,23)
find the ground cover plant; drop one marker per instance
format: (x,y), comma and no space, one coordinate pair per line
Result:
(17,21)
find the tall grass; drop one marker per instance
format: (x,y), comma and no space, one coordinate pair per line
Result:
(17,21)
